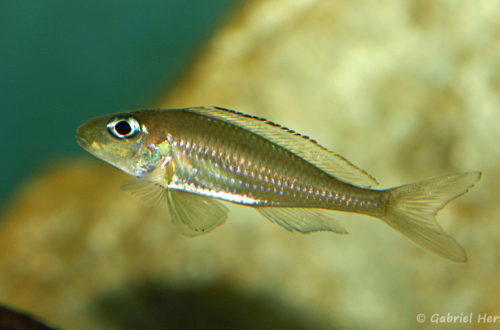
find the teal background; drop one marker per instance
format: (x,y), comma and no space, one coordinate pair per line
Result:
(62,62)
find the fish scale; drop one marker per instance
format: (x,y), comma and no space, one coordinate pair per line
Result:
(280,179)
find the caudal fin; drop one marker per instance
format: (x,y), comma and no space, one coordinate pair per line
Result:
(412,209)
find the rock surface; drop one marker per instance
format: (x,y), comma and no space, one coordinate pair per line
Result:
(406,90)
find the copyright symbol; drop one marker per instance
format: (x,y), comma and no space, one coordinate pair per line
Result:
(421,318)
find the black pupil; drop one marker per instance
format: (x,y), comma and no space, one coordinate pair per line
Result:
(123,128)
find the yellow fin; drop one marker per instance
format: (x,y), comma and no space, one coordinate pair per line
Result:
(412,209)
(304,147)
(193,214)
(304,220)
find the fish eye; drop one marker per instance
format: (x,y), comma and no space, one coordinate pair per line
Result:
(124,127)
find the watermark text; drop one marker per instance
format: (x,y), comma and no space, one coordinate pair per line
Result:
(450,318)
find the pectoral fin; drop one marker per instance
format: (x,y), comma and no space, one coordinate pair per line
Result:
(145,190)
(194,214)
(303,220)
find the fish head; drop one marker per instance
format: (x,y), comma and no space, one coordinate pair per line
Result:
(123,141)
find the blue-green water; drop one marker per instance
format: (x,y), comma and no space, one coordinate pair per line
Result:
(62,62)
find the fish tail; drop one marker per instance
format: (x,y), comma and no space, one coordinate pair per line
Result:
(412,208)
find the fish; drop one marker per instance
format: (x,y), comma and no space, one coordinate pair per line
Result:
(196,157)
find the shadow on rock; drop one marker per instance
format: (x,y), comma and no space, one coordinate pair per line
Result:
(156,306)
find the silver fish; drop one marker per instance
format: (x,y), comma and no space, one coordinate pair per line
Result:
(201,154)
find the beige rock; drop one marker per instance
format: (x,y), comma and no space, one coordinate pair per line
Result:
(405,89)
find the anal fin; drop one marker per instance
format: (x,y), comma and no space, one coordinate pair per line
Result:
(304,220)
(193,214)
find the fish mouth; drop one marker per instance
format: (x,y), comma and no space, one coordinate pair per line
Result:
(82,142)
(81,133)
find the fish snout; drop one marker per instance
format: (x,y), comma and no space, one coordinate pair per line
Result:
(82,136)
(82,142)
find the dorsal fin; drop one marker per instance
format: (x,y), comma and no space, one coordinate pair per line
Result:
(301,145)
